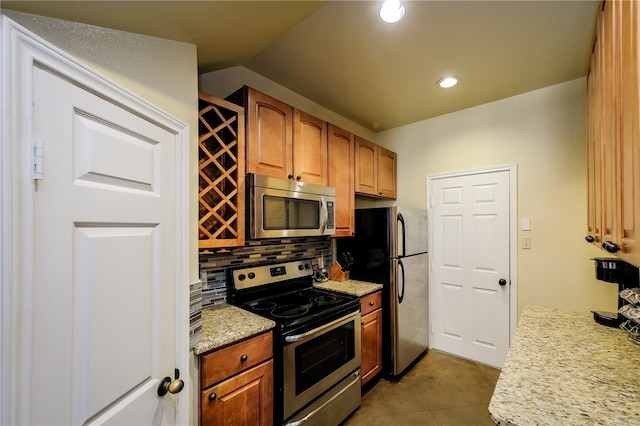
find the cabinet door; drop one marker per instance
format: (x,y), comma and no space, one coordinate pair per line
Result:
(371,352)
(309,149)
(387,171)
(269,135)
(245,399)
(629,155)
(366,167)
(594,114)
(341,177)
(608,43)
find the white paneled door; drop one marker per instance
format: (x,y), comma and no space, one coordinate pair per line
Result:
(470,287)
(97,300)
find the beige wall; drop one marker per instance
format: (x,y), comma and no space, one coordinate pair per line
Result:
(543,132)
(224,82)
(163,72)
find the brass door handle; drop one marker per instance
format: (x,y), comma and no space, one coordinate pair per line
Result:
(171,386)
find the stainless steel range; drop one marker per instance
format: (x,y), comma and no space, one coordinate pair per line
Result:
(316,341)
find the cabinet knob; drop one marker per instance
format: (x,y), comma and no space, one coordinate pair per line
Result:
(244,357)
(371,303)
(611,247)
(290,176)
(589,239)
(298,177)
(212,397)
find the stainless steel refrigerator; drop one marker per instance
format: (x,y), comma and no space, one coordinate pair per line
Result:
(390,248)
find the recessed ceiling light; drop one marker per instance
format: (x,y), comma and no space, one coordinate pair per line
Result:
(392,11)
(448,82)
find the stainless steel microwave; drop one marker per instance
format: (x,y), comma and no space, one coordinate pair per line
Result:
(281,208)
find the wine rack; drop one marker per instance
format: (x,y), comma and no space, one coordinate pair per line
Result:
(221,170)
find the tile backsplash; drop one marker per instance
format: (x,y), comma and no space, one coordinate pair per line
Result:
(214,266)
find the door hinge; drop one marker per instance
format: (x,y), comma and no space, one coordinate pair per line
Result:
(38,159)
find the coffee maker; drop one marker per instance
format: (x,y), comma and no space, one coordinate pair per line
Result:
(616,271)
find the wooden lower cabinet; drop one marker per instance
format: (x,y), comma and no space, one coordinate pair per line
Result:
(371,350)
(236,384)
(244,399)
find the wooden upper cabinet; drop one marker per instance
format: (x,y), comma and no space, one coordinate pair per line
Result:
(629,147)
(341,177)
(269,135)
(613,132)
(309,148)
(609,45)
(594,202)
(366,167)
(282,142)
(387,172)
(376,170)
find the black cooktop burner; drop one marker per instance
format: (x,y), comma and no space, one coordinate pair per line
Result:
(263,306)
(295,304)
(289,311)
(285,294)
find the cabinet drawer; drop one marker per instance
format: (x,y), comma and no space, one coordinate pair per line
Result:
(226,362)
(370,302)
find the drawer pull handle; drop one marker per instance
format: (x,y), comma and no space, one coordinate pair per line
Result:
(212,397)
(371,303)
(244,357)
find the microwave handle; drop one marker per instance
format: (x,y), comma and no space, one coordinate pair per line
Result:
(325,212)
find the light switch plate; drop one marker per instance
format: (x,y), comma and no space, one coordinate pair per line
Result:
(525,224)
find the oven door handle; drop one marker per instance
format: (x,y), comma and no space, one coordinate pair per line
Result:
(356,379)
(296,337)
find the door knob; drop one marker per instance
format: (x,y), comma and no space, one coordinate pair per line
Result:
(502,282)
(171,386)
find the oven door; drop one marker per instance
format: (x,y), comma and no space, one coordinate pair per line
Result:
(317,360)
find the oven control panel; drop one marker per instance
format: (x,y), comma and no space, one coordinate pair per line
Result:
(255,276)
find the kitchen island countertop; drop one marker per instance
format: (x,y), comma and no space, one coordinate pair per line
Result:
(352,287)
(564,369)
(225,324)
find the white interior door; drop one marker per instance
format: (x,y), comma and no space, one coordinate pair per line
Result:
(97,307)
(470,256)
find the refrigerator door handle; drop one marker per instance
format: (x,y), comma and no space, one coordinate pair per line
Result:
(401,292)
(400,219)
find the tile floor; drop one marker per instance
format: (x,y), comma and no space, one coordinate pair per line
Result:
(439,390)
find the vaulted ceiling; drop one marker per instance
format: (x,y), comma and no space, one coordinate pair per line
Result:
(340,55)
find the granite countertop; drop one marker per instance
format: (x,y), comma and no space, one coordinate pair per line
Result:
(353,287)
(565,369)
(225,324)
